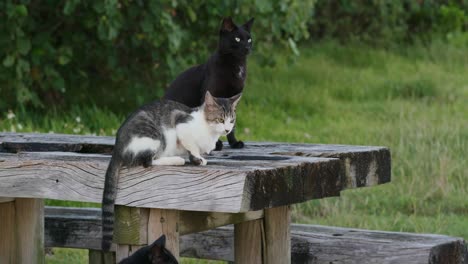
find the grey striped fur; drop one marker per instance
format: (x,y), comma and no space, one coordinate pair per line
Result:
(148,121)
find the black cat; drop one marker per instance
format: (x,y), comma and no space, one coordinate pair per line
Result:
(223,74)
(155,253)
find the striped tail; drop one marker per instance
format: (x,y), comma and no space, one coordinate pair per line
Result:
(108,202)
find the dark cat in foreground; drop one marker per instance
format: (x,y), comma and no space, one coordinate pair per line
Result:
(223,75)
(155,253)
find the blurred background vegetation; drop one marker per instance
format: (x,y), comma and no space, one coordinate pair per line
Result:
(378,72)
(119,54)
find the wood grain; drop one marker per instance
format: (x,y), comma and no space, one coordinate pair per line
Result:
(262,175)
(165,222)
(277,246)
(192,221)
(100,257)
(309,244)
(130,225)
(7,233)
(224,186)
(22,231)
(248,242)
(29,221)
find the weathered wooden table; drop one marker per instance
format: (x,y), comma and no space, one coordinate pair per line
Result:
(251,188)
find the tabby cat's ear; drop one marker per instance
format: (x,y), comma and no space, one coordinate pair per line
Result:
(228,25)
(210,100)
(235,100)
(248,25)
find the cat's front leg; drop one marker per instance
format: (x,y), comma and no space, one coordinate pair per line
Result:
(197,159)
(194,153)
(233,142)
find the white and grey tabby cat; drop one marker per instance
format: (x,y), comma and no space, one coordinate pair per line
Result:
(160,133)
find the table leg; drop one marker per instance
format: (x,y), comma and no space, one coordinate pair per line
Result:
(22,231)
(165,222)
(248,242)
(277,235)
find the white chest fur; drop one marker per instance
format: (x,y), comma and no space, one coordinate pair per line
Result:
(241,72)
(197,133)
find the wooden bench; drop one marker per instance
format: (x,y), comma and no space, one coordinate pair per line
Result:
(80,228)
(251,188)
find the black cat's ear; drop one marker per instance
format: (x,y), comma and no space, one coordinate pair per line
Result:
(161,241)
(157,248)
(235,100)
(227,24)
(248,25)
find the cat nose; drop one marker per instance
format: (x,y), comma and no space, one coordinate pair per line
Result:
(227,130)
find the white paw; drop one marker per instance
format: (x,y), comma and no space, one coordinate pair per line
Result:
(179,161)
(169,161)
(204,162)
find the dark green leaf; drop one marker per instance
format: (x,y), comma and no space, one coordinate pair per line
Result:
(9,61)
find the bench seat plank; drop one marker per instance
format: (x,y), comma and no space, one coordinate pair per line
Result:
(80,228)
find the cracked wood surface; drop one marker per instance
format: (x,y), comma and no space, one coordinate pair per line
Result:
(262,175)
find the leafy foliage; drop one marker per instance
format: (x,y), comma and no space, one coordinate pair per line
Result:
(118,50)
(388,21)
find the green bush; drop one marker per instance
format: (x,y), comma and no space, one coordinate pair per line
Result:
(388,21)
(117,53)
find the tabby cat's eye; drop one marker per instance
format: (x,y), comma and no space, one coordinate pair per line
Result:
(232,121)
(237,39)
(250,40)
(220,120)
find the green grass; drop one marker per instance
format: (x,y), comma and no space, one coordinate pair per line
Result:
(411,99)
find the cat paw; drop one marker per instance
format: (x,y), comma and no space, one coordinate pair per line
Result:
(197,160)
(219,145)
(237,145)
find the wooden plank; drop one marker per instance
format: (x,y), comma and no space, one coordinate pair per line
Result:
(165,222)
(248,242)
(17,142)
(192,221)
(6,199)
(29,221)
(277,246)
(130,225)
(309,242)
(74,227)
(100,257)
(7,233)
(364,165)
(226,185)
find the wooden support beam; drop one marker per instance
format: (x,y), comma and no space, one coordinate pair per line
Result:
(130,225)
(136,227)
(248,242)
(100,257)
(7,233)
(22,231)
(277,247)
(192,221)
(165,222)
